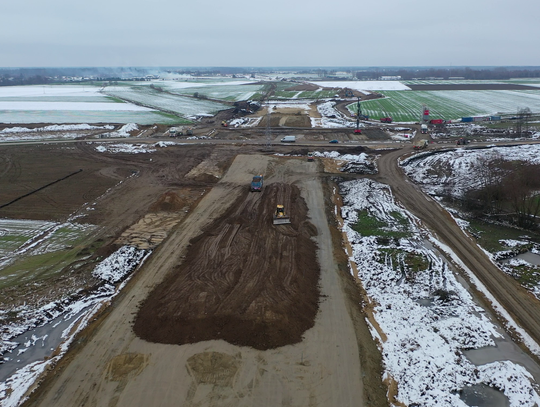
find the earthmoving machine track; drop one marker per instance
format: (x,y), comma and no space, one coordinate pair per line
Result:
(280,218)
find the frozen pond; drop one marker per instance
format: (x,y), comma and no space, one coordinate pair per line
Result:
(483,396)
(37,344)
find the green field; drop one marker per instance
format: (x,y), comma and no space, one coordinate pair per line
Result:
(406,106)
(49,248)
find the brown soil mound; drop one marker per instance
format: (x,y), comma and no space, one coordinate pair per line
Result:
(168,202)
(244,280)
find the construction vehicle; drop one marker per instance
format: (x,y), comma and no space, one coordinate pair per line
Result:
(189,131)
(462,141)
(256,183)
(224,123)
(280,218)
(386,120)
(310,157)
(420,144)
(358,114)
(288,139)
(424,128)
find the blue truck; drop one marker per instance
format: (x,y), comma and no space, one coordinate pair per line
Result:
(256,183)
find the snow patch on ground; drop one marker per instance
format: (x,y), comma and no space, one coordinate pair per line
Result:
(56,127)
(118,264)
(125,148)
(423,350)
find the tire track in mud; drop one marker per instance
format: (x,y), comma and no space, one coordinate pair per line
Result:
(244,279)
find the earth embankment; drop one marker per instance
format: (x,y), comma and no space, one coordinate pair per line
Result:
(244,280)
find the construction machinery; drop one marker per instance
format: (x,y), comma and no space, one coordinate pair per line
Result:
(280,218)
(420,144)
(256,183)
(358,114)
(310,157)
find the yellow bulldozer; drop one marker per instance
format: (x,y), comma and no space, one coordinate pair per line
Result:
(280,218)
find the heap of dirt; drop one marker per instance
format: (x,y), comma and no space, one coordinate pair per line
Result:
(244,280)
(168,202)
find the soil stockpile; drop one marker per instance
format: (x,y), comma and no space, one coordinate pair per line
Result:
(244,279)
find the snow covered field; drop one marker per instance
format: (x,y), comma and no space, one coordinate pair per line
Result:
(147,96)
(456,171)
(47,91)
(331,118)
(69,104)
(425,319)
(363,85)
(449,104)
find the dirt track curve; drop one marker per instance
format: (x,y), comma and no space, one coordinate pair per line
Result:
(519,303)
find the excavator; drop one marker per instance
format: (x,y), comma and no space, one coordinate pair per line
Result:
(279,216)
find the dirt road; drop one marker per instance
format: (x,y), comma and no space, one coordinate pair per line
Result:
(117,368)
(519,303)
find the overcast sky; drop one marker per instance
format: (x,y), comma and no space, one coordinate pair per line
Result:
(274,33)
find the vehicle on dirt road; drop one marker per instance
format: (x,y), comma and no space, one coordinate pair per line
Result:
(333,141)
(310,157)
(386,120)
(420,144)
(288,139)
(424,128)
(280,218)
(256,183)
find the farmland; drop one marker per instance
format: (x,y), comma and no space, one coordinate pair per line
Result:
(219,91)
(151,97)
(71,104)
(405,106)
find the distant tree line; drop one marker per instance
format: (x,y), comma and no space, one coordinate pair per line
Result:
(445,73)
(20,80)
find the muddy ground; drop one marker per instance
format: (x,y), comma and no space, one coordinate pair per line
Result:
(133,199)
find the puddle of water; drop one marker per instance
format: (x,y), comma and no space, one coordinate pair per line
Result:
(425,302)
(504,349)
(36,344)
(530,257)
(481,395)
